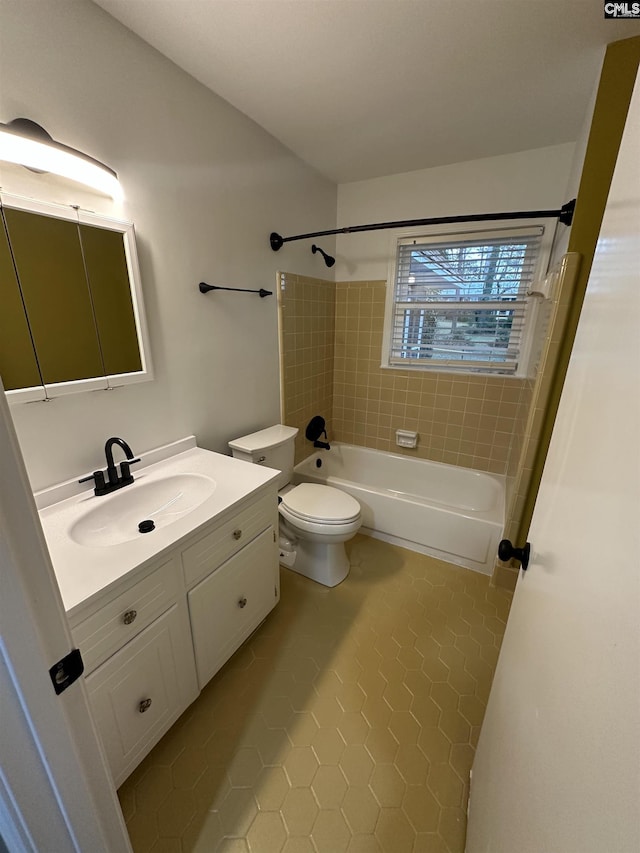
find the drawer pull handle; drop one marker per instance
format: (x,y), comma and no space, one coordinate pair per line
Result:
(237,534)
(242,602)
(129,616)
(144,705)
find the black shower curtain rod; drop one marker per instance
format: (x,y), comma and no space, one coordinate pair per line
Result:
(564,215)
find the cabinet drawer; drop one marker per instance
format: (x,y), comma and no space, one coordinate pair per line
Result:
(208,553)
(103,633)
(231,602)
(140,691)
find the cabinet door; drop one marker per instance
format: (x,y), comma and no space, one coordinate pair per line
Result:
(71,312)
(229,537)
(106,265)
(140,691)
(228,604)
(111,626)
(56,295)
(18,365)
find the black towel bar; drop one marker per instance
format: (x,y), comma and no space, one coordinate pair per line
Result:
(205,288)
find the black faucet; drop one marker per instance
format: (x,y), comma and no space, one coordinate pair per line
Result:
(315,428)
(113,479)
(323,444)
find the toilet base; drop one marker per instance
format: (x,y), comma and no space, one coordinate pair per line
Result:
(323,562)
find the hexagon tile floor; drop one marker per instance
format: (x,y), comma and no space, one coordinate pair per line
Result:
(346,724)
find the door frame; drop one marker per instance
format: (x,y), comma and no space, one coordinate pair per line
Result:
(72,784)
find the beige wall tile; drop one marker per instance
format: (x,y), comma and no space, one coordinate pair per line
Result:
(308,319)
(445,409)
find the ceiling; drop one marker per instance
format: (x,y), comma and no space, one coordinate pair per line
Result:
(364,88)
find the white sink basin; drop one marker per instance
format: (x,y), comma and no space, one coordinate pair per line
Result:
(94,541)
(115,518)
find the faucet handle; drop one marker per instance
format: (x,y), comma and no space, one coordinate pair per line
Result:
(98,480)
(125,468)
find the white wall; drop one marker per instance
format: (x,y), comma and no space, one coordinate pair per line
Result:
(204,186)
(528,180)
(575,172)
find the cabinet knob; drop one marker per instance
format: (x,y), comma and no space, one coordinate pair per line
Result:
(144,705)
(129,616)
(237,534)
(242,602)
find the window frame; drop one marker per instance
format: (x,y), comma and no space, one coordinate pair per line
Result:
(525,367)
(103,382)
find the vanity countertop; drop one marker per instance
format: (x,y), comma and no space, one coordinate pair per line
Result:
(84,571)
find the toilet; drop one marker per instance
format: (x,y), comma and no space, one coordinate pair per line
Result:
(317,519)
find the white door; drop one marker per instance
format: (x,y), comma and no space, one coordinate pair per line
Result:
(558,763)
(56,794)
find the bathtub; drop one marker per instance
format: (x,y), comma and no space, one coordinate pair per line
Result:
(454,514)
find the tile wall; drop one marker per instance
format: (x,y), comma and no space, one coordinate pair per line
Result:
(474,421)
(307,334)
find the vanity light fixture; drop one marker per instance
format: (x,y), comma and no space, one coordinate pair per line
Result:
(26,143)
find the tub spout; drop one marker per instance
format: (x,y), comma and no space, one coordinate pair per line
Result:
(323,444)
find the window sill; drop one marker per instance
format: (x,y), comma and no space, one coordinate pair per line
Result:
(453,371)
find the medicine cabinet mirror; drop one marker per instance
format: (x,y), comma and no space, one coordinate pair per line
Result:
(71,312)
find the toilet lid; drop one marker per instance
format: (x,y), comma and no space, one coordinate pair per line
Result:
(313,502)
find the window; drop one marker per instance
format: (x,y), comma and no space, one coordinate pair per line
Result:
(459,302)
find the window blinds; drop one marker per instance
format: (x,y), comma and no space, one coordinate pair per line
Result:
(461,302)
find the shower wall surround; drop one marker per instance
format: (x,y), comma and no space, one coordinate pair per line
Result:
(331,343)
(307,332)
(472,421)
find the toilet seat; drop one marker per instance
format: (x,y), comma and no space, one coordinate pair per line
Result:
(319,531)
(315,503)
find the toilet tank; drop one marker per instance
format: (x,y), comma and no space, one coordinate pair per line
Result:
(273,447)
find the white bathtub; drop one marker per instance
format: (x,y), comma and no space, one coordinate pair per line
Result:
(455,514)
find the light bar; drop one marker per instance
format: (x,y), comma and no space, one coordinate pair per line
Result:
(25,143)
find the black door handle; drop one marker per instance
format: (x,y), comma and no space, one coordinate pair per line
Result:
(506,551)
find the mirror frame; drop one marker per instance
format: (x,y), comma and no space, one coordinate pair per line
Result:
(98,383)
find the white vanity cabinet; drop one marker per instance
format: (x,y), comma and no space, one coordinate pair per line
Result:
(233,578)
(139,667)
(130,607)
(228,604)
(141,690)
(152,640)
